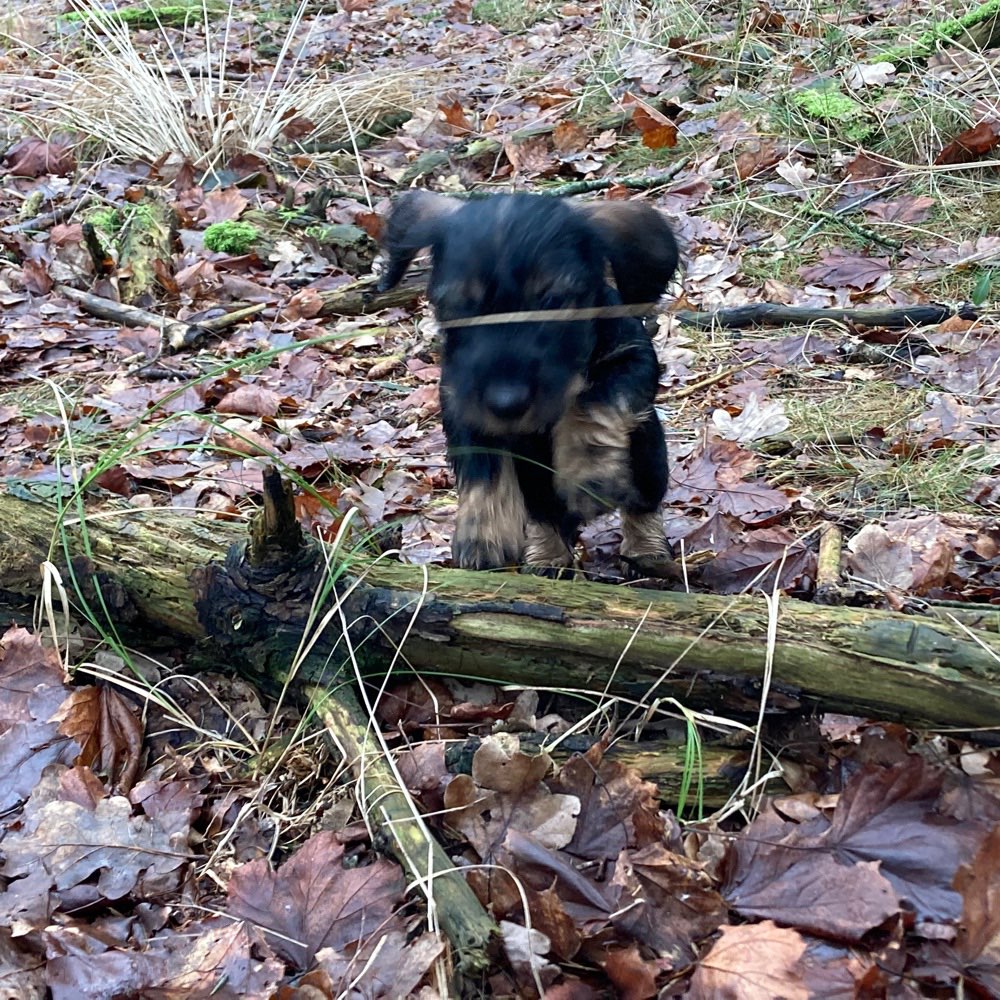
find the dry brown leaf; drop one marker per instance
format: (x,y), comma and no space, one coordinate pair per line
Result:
(78,842)
(223,206)
(250,401)
(454,116)
(569,137)
(27,669)
(752,962)
(312,902)
(843,267)
(658,131)
(108,730)
(972,144)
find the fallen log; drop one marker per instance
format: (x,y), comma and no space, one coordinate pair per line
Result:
(191,578)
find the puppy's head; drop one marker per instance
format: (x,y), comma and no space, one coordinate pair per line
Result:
(520,253)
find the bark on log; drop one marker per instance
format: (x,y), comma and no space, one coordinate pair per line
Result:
(188,576)
(361,297)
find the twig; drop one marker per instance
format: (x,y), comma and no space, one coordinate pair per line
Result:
(177,333)
(96,305)
(44,221)
(603,183)
(720,376)
(231,318)
(773,314)
(831,541)
(822,216)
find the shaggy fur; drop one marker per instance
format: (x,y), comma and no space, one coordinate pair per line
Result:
(549,423)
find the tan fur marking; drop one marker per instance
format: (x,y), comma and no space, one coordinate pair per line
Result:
(590,454)
(642,535)
(545,547)
(489,526)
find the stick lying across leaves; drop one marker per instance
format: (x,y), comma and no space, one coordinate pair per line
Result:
(178,334)
(360,297)
(769,314)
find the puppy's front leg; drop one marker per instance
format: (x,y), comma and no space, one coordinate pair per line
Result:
(489,526)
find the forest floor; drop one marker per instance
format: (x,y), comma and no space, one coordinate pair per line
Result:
(804,157)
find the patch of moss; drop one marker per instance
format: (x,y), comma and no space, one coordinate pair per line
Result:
(834,109)
(148,16)
(105,220)
(231,237)
(31,206)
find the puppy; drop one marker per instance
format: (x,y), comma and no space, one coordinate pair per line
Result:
(549,422)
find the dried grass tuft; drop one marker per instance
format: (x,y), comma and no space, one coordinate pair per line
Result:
(143,105)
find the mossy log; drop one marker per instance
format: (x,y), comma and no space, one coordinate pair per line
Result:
(361,296)
(190,577)
(978,28)
(136,243)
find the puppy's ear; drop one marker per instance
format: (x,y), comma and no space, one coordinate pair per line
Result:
(416,221)
(640,245)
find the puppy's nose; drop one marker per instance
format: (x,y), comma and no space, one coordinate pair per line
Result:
(508,400)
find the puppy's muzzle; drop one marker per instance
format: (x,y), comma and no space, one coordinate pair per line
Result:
(507,401)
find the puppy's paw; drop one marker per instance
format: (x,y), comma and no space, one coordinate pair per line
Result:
(476,552)
(655,566)
(489,525)
(546,553)
(645,551)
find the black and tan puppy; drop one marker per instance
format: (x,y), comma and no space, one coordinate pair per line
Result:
(548,423)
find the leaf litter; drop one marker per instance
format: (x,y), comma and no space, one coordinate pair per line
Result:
(147,853)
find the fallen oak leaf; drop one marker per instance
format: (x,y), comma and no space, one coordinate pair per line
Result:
(568,137)
(972,144)
(26,668)
(250,401)
(26,750)
(108,731)
(34,157)
(658,131)
(840,267)
(216,957)
(77,842)
(454,116)
(908,209)
(387,966)
(869,75)
(759,157)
